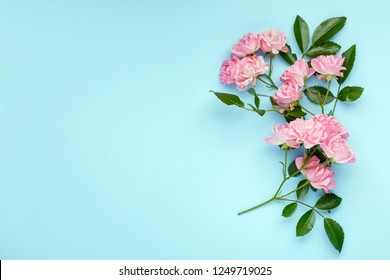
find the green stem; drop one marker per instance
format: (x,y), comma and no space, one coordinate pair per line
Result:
(270,65)
(275,197)
(266,83)
(337,98)
(271,81)
(257,206)
(326,95)
(293,191)
(304,108)
(285,164)
(300,202)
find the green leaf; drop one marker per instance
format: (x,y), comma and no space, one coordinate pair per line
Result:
(317,95)
(335,233)
(325,48)
(349,94)
(251,91)
(301,192)
(229,99)
(260,112)
(327,29)
(306,223)
(297,112)
(321,155)
(289,57)
(313,188)
(349,59)
(289,210)
(292,169)
(328,201)
(257,101)
(302,33)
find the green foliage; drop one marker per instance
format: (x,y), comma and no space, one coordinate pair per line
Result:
(327,29)
(328,201)
(317,95)
(325,48)
(292,169)
(302,191)
(289,210)
(349,94)
(335,233)
(302,33)
(306,223)
(229,99)
(349,59)
(289,57)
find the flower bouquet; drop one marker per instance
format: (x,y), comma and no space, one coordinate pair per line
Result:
(320,137)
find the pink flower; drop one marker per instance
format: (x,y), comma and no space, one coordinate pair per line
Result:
(273,40)
(328,66)
(282,136)
(297,73)
(332,126)
(228,70)
(248,69)
(338,150)
(286,94)
(309,132)
(247,45)
(320,176)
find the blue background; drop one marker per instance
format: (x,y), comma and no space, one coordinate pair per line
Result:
(112,147)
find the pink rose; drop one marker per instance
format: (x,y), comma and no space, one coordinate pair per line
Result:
(248,69)
(338,150)
(309,132)
(297,73)
(332,126)
(328,66)
(286,94)
(273,40)
(228,70)
(320,176)
(282,136)
(247,45)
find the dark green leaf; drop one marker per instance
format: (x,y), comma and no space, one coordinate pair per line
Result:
(289,57)
(297,112)
(289,210)
(327,29)
(302,191)
(301,32)
(306,223)
(257,101)
(328,201)
(325,48)
(335,233)
(321,155)
(313,188)
(349,94)
(317,95)
(251,91)
(229,99)
(349,59)
(292,169)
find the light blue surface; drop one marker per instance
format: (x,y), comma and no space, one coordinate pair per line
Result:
(113,148)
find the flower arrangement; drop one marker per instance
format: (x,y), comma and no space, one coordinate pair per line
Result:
(319,137)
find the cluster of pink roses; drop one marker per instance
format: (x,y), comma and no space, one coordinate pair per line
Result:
(324,131)
(244,65)
(294,77)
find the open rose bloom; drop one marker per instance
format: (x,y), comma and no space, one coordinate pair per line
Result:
(300,95)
